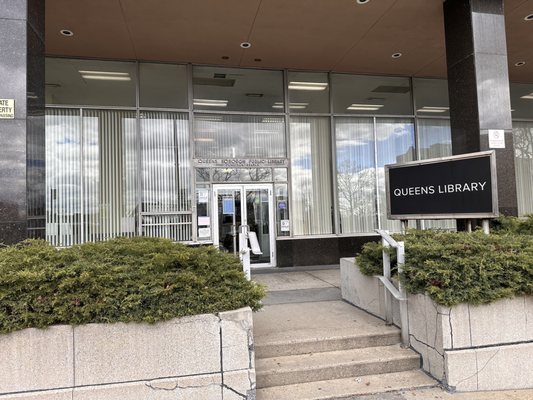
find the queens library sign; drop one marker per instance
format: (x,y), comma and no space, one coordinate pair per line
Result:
(461,186)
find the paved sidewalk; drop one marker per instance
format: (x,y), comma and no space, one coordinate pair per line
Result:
(301,285)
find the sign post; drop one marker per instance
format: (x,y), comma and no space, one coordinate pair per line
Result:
(463,187)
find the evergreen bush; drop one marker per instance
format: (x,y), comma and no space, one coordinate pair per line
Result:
(460,267)
(121,280)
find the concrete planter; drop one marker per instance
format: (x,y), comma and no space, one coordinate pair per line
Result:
(200,357)
(468,348)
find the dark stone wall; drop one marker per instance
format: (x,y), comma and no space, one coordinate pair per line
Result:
(318,251)
(478,85)
(22,193)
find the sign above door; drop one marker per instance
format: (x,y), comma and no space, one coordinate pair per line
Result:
(241,162)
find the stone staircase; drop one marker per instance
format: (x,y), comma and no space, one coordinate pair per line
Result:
(325,350)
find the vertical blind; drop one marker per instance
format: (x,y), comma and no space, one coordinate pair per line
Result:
(94,172)
(311,176)
(523,145)
(63,177)
(356,174)
(166,182)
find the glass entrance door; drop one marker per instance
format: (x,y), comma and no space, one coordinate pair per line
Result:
(249,205)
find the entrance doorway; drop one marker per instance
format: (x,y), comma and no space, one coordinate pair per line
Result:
(245,205)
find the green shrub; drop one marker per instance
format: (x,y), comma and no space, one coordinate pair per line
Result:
(521,226)
(121,280)
(457,267)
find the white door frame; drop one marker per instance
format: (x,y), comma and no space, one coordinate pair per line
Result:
(243,188)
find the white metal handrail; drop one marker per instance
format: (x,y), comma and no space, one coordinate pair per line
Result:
(398,293)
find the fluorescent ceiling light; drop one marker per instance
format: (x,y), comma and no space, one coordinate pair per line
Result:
(294,106)
(105,75)
(210,103)
(365,107)
(433,109)
(204,140)
(527,96)
(269,120)
(308,86)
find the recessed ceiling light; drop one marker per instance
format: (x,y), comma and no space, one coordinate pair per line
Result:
(397,55)
(258,59)
(308,86)
(105,75)
(529,17)
(365,107)
(246,45)
(294,106)
(520,63)
(66,32)
(225,57)
(363,1)
(210,103)
(428,109)
(527,96)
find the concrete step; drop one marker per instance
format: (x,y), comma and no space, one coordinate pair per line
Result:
(303,345)
(288,370)
(348,387)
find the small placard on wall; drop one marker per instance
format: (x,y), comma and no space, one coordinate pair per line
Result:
(204,233)
(285,225)
(496,139)
(7,108)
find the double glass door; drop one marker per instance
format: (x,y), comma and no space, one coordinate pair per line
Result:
(251,207)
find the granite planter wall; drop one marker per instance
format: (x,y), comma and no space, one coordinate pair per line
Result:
(466,347)
(196,358)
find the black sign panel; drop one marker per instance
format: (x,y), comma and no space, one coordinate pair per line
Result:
(453,187)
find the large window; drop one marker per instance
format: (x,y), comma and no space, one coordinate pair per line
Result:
(356,174)
(235,89)
(395,143)
(523,144)
(312,206)
(239,136)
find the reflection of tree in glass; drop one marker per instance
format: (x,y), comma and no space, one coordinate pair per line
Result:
(356,188)
(258,174)
(523,142)
(224,174)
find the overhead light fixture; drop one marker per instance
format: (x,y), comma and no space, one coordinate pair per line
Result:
(209,118)
(529,17)
(66,32)
(308,86)
(105,75)
(397,55)
(520,64)
(204,139)
(210,103)
(246,45)
(363,1)
(527,96)
(365,107)
(271,120)
(428,109)
(293,106)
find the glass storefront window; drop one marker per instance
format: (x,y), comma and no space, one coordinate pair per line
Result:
(395,143)
(280,174)
(311,204)
(163,86)
(237,89)
(523,145)
(522,101)
(281,202)
(239,136)
(435,141)
(356,174)
(308,92)
(370,95)
(431,97)
(242,175)
(90,82)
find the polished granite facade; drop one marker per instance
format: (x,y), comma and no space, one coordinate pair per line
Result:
(478,85)
(22,152)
